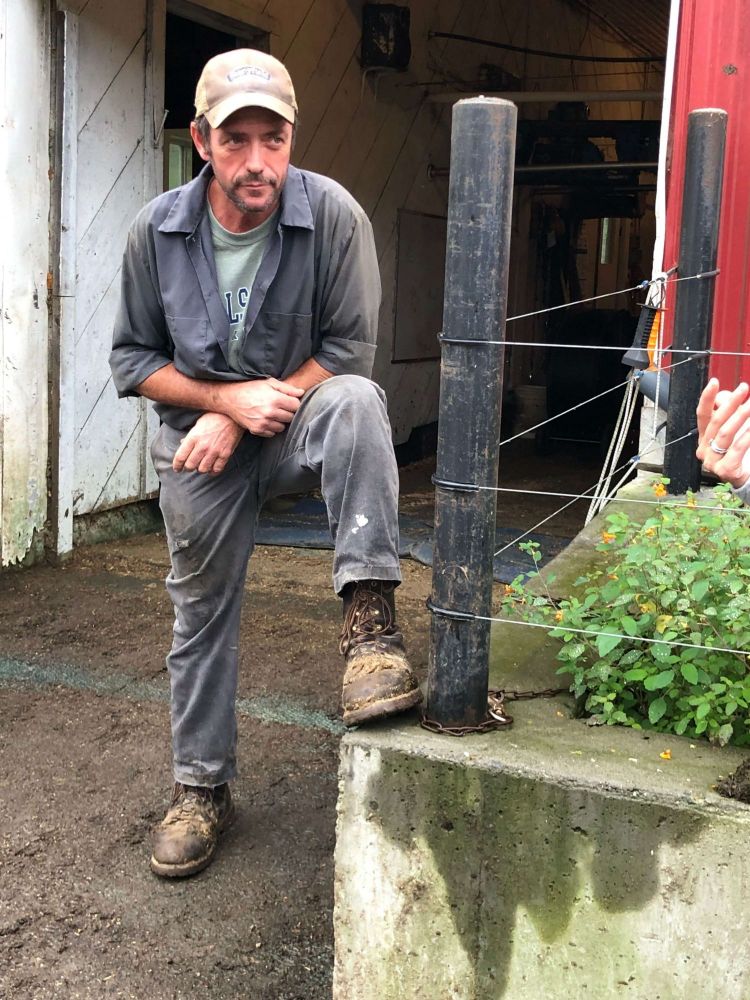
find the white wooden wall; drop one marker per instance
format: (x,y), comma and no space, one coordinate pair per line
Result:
(108,174)
(24,205)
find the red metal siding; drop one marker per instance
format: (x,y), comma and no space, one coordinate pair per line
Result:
(713,71)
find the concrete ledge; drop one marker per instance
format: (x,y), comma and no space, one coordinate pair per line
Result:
(549,861)
(553,861)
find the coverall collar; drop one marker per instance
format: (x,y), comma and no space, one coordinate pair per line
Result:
(189,206)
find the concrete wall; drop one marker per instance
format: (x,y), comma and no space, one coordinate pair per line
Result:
(547,861)
(24,256)
(551,861)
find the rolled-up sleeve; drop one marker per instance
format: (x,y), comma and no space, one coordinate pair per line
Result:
(141,343)
(350,301)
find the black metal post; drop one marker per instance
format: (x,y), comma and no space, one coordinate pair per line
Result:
(474,310)
(694,301)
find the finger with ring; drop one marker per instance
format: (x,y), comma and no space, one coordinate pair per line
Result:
(716,448)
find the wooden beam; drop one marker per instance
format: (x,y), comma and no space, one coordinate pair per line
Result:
(550,96)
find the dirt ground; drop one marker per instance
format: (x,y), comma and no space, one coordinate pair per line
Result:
(84,767)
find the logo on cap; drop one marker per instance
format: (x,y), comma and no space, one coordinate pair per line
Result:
(237,74)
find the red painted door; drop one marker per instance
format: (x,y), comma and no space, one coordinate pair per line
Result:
(713,71)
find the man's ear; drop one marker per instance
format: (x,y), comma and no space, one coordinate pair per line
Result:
(204,151)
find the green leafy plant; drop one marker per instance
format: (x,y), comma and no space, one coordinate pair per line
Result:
(657,639)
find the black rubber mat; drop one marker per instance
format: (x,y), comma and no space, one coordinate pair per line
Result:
(301,522)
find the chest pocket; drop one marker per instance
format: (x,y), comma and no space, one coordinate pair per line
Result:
(278,343)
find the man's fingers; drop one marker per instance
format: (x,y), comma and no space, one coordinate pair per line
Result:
(182,454)
(706,405)
(286,404)
(732,433)
(289,390)
(275,427)
(206,463)
(728,418)
(194,457)
(718,416)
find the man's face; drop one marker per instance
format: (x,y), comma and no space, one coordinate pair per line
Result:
(249,153)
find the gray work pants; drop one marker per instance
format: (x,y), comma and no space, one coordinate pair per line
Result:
(339,439)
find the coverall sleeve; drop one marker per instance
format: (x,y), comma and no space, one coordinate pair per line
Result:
(350,300)
(141,343)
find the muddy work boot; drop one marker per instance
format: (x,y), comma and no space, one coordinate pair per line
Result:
(378,680)
(185,840)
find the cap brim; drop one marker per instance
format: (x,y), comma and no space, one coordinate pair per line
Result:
(249,99)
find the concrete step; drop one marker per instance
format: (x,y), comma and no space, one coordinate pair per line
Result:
(548,861)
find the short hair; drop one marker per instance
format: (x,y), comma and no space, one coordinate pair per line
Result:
(203,129)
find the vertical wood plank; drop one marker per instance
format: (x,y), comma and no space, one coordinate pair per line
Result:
(24,262)
(68,271)
(289,15)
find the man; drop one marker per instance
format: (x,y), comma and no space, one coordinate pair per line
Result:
(724,435)
(249,314)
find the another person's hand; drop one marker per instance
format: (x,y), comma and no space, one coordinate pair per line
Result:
(724,432)
(263,407)
(208,445)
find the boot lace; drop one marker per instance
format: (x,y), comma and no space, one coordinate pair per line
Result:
(368,616)
(189,800)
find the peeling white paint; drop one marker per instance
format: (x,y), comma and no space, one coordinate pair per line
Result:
(24,259)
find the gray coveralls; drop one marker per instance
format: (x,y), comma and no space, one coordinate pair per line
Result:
(316,295)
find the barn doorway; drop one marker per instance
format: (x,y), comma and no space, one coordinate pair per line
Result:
(193,36)
(589,99)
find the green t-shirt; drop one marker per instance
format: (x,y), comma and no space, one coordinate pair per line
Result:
(238,257)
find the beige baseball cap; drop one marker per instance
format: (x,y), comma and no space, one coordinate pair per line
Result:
(244,78)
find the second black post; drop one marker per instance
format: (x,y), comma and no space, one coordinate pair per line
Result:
(694,302)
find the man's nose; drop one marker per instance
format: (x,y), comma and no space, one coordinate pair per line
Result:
(254,158)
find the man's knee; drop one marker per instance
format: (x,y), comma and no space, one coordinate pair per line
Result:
(355,391)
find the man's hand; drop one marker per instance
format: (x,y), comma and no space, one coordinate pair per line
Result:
(264,407)
(724,432)
(208,445)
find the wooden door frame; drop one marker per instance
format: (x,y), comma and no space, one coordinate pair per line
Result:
(59,542)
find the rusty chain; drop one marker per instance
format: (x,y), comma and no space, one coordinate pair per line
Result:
(497,717)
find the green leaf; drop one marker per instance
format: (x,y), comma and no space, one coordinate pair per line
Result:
(656,710)
(632,656)
(662,651)
(658,681)
(575,649)
(702,710)
(725,734)
(636,674)
(629,625)
(606,642)
(690,672)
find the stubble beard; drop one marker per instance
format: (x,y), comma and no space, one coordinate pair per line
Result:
(252,207)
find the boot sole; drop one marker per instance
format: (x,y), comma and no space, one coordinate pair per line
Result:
(198,864)
(382,709)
